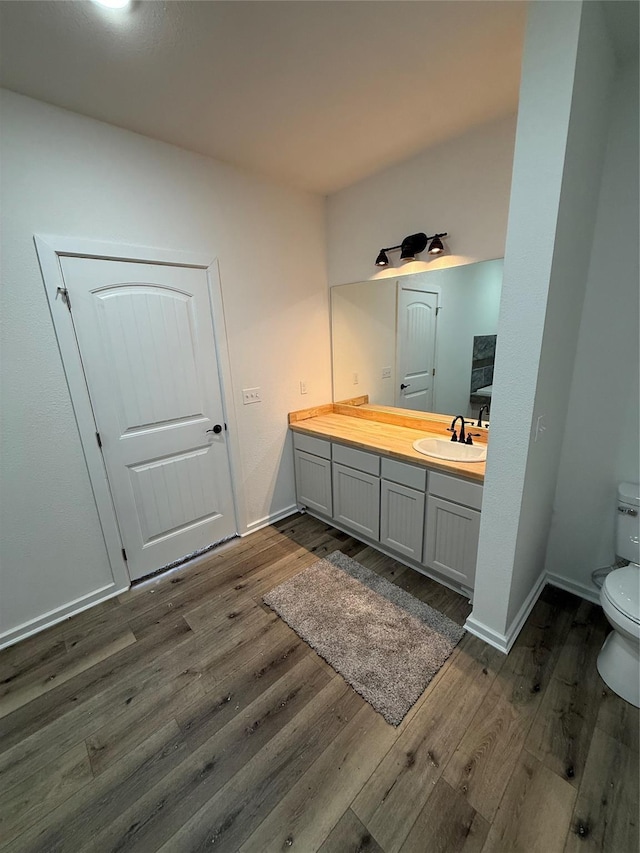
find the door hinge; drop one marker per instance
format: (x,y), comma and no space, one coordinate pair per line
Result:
(99,440)
(225,427)
(438,309)
(124,555)
(62,291)
(433,372)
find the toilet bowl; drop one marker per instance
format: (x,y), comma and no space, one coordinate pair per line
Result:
(619,658)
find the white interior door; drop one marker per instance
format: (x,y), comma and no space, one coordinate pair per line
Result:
(146,340)
(416,337)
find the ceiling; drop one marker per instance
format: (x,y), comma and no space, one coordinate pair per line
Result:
(315,95)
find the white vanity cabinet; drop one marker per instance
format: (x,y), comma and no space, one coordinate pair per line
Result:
(312,462)
(428,520)
(452,528)
(356,490)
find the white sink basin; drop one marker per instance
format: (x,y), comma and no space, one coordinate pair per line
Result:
(451,451)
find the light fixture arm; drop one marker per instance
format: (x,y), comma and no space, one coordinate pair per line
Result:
(399,246)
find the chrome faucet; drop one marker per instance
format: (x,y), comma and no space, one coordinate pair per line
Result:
(482,409)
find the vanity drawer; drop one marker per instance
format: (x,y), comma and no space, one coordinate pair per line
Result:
(458,491)
(358,459)
(316,446)
(406,475)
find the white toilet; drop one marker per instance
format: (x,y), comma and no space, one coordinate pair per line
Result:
(619,658)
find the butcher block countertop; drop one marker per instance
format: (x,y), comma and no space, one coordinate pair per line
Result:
(387,431)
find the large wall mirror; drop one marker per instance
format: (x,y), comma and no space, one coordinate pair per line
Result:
(424,342)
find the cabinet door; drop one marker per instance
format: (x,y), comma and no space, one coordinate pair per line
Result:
(402,519)
(313,482)
(451,540)
(356,500)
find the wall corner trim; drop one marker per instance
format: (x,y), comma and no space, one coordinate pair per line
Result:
(493,638)
(590,593)
(504,642)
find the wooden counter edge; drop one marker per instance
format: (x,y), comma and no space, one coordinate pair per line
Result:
(326,409)
(441,466)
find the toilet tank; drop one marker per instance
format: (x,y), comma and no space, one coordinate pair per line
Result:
(628,522)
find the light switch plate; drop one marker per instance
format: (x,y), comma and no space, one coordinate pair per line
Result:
(386,373)
(251,395)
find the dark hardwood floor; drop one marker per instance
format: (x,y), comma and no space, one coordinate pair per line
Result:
(185,716)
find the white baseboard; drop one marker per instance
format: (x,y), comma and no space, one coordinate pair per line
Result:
(590,593)
(47,620)
(493,638)
(523,614)
(504,642)
(72,608)
(269,519)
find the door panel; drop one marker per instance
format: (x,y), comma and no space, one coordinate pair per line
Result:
(173,493)
(146,341)
(313,481)
(356,500)
(417,312)
(150,334)
(451,540)
(402,519)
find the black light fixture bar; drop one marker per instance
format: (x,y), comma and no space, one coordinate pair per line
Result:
(412,246)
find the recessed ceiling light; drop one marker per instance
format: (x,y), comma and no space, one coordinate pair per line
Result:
(112,4)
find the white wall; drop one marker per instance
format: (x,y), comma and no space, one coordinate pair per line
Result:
(69,175)
(562,122)
(461,187)
(603,401)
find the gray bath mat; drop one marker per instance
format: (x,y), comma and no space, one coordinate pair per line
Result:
(387,644)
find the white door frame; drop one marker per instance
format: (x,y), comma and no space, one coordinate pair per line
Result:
(50,249)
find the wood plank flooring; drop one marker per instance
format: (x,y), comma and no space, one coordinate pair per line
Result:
(185,716)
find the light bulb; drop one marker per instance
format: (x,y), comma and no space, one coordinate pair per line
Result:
(112,4)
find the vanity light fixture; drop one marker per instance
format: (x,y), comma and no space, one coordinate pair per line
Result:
(412,246)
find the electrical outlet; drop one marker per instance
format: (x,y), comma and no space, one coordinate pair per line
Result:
(540,428)
(251,395)
(355,378)
(386,373)
(303,386)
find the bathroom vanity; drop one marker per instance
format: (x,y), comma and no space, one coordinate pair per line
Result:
(356,467)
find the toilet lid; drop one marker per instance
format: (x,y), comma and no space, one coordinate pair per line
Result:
(622,588)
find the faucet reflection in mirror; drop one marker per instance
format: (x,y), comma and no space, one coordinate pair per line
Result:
(415,331)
